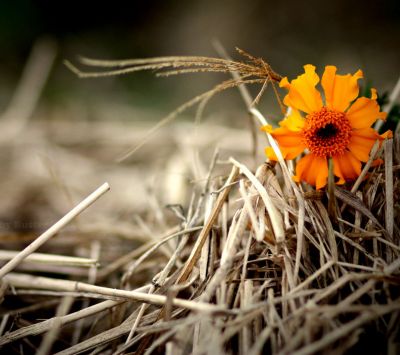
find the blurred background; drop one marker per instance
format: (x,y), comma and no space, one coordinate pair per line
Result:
(61,136)
(288,34)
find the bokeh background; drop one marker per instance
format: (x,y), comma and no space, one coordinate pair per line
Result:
(66,143)
(288,34)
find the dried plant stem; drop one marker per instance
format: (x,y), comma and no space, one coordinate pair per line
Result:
(63,285)
(331,190)
(46,325)
(140,314)
(30,87)
(242,88)
(248,204)
(4,321)
(51,259)
(51,335)
(196,251)
(389,207)
(54,229)
(365,170)
(392,99)
(275,216)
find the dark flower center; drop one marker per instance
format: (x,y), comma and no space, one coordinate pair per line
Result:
(328,131)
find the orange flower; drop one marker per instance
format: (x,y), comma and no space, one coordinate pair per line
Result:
(339,129)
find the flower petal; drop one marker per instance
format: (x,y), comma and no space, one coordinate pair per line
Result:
(362,141)
(340,90)
(364,112)
(346,167)
(374,95)
(377,162)
(386,135)
(290,143)
(312,169)
(302,94)
(294,122)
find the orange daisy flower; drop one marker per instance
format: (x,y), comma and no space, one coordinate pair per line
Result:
(339,128)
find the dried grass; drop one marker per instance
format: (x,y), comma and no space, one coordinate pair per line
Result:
(255,264)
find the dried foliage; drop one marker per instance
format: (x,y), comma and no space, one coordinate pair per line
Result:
(255,68)
(253,71)
(256,264)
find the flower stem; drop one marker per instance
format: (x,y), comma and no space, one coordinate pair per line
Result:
(331,190)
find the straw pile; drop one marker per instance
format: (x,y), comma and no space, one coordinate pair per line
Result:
(254,264)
